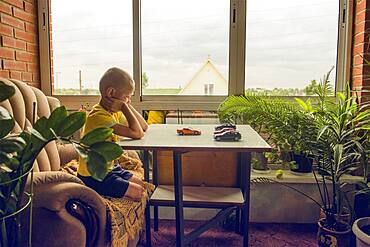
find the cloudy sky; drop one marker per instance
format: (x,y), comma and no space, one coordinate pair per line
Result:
(289,42)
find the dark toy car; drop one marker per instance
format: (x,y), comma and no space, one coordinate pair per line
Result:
(225,125)
(228,135)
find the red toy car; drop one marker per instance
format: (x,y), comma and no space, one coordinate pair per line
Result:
(188,131)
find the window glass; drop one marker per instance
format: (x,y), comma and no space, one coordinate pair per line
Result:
(87,38)
(290,45)
(185,46)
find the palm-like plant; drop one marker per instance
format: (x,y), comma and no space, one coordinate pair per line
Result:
(342,145)
(284,124)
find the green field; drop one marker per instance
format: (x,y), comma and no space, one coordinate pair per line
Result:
(176,91)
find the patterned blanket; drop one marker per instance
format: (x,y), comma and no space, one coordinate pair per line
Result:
(125,217)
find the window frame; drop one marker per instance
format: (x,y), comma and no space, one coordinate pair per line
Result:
(237,55)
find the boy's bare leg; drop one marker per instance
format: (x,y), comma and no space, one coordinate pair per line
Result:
(136,180)
(134,191)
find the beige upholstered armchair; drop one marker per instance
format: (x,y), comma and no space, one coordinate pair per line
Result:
(65,211)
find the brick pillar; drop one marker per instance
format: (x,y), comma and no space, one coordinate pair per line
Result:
(19,53)
(361,49)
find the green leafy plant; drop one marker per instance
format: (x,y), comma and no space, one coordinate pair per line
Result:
(259,161)
(18,152)
(341,147)
(282,123)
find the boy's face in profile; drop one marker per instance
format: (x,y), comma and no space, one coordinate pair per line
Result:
(115,96)
(123,95)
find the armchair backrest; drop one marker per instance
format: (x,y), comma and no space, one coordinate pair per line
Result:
(20,106)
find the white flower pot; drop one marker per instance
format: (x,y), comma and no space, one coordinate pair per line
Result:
(362,239)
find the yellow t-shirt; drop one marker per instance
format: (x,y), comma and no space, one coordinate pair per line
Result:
(96,118)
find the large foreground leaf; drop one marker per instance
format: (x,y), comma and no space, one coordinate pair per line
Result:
(71,124)
(12,144)
(96,135)
(6,122)
(97,165)
(109,150)
(58,115)
(42,127)
(6,91)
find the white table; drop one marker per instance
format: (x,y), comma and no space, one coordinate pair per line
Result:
(164,137)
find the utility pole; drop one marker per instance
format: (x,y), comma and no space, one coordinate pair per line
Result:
(80,80)
(57,74)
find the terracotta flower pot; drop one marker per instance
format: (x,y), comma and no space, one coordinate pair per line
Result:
(331,238)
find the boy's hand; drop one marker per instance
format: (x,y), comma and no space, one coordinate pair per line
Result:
(112,104)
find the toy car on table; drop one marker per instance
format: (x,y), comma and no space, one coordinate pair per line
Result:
(225,125)
(188,131)
(228,135)
(219,131)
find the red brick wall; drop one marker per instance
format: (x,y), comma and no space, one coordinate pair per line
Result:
(361,49)
(19,41)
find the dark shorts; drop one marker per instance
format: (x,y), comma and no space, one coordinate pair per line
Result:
(115,184)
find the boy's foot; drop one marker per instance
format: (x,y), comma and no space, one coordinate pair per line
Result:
(134,191)
(136,180)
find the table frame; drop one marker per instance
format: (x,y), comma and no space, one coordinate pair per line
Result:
(241,207)
(241,226)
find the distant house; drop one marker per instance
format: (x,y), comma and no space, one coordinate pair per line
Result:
(207,81)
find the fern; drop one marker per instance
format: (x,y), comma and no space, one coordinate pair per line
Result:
(286,124)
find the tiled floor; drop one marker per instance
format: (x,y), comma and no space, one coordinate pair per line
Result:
(261,235)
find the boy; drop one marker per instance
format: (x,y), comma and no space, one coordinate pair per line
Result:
(115,110)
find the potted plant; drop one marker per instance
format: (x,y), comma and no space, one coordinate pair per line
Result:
(282,123)
(361,228)
(341,147)
(19,151)
(259,163)
(362,200)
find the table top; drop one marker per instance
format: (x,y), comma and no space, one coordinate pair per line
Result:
(165,137)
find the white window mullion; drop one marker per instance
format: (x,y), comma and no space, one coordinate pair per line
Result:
(344,44)
(136,4)
(241,46)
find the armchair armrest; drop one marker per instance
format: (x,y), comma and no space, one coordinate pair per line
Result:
(66,196)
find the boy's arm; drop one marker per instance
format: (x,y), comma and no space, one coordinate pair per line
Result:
(139,117)
(134,130)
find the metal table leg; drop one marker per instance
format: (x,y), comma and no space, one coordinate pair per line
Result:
(155,182)
(245,162)
(177,174)
(237,220)
(147,208)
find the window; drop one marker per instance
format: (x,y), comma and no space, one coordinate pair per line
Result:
(290,45)
(176,49)
(86,39)
(183,46)
(208,89)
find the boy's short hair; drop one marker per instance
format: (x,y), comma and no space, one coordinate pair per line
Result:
(116,78)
